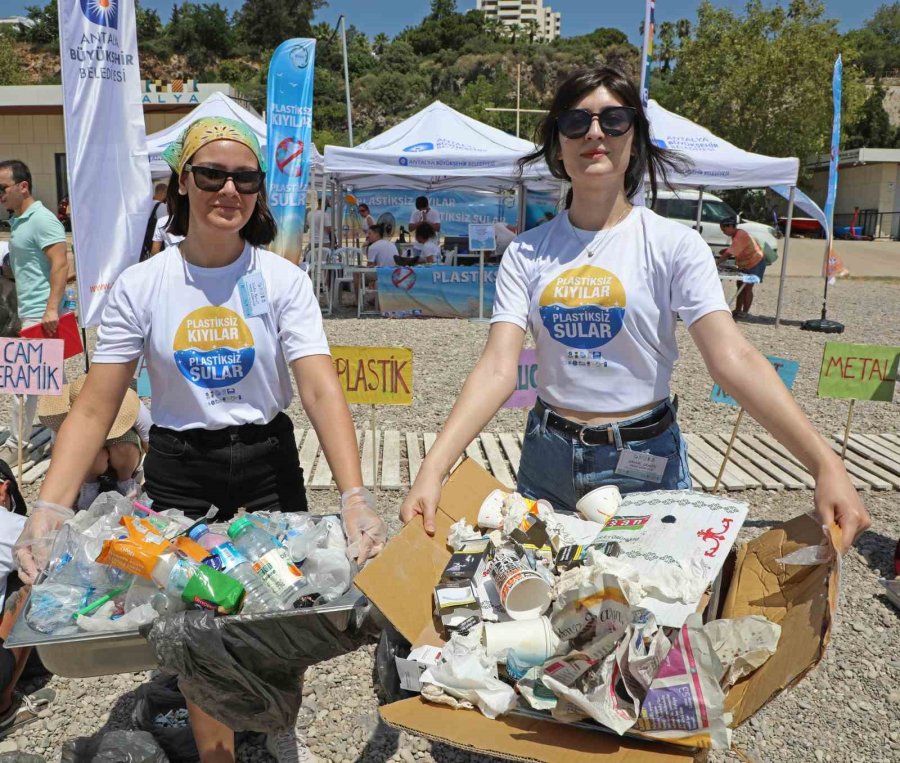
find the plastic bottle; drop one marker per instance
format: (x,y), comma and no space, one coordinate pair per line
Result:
(257,595)
(270,561)
(197,584)
(69,301)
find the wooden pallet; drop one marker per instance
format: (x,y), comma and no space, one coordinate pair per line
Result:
(757,461)
(35,455)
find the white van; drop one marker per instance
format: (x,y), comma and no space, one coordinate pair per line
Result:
(681,206)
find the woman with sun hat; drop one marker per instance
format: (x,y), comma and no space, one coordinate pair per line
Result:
(224,325)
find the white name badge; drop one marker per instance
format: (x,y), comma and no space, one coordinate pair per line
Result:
(642,466)
(252,288)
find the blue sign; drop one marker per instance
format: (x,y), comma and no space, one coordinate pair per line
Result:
(786,370)
(289,140)
(441,291)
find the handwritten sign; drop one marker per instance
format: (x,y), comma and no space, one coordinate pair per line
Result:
(31,366)
(526,382)
(374,375)
(859,371)
(786,370)
(481,237)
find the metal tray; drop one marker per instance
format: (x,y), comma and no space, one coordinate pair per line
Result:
(84,655)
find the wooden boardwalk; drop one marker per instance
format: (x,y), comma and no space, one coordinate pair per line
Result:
(757,460)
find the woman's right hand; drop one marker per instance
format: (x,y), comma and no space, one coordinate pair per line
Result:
(422,499)
(32,550)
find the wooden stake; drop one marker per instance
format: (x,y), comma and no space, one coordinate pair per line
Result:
(374,454)
(21,433)
(734,431)
(847,430)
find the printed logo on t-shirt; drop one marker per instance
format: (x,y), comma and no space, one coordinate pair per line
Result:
(214,347)
(583,307)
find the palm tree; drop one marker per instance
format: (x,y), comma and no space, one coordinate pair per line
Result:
(665,53)
(379,43)
(683,29)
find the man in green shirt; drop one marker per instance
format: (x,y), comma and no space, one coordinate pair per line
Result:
(37,255)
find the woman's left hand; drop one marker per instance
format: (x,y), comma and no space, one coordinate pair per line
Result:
(837,501)
(366,531)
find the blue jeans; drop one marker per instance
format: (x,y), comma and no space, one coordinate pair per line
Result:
(560,468)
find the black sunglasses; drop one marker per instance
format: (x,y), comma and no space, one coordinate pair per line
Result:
(211,179)
(614,121)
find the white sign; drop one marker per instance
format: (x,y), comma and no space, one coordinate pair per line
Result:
(106,151)
(481,237)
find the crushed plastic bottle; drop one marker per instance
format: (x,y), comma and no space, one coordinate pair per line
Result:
(270,561)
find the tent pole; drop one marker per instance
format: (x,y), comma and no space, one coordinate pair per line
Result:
(697,226)
(520,206)
(784,255)
(317,260)
(346,80)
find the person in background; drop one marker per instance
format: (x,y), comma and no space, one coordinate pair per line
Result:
(504,235)
(319,220)
(37,254)
(119,460)
(366,215)
(157,212)
(427,246)
(380,252)
(424,214)
(16,709)
(161,236)
(748,258)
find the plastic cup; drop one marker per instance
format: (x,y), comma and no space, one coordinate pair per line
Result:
(532,640)
(524,594)
(490,515)
(600,505)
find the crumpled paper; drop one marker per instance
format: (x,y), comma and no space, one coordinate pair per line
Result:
(460,533)
(663,581)
(465,672)
(742,645)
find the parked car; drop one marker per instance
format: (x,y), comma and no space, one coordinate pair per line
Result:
(681,205)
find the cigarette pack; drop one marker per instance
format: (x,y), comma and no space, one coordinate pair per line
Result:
(532,531)
(574,556)
(456,601)
(469,562)
(414,664)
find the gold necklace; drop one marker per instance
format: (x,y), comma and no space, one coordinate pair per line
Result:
(594,245)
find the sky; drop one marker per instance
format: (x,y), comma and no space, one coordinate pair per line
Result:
(578,16)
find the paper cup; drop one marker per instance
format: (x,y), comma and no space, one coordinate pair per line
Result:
(600,505)
(533,640)
(524,594)
(490,515)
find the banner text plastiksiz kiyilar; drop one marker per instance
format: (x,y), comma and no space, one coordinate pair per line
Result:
(289,136)
(106,147)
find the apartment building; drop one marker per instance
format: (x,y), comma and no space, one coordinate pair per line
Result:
(525,14)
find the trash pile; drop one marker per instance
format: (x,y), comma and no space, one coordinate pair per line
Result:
(120,564)
(593,618)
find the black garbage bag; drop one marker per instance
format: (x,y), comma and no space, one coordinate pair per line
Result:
(246,671)
(21,757)
(158,697)
(114,747)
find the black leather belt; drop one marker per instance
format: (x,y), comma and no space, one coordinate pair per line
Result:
(655,424)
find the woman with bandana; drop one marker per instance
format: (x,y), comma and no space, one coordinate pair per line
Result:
(223,325)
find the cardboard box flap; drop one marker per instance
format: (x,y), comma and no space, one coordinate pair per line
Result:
(400,581)
(522,738)
(800,599)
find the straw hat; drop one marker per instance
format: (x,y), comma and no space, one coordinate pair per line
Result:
(53,409)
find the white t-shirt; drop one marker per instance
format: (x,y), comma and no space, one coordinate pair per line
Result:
(315,220)
(504,237)
(381,253)
(604,325)
(430,249)
(425,216)
(161,234)
(210,365)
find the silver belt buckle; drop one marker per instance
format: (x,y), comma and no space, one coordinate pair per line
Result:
(609,436)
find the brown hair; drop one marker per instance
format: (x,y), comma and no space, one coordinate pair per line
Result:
(259,230)
(647,159)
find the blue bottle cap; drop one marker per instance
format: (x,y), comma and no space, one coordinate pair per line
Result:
(197,531)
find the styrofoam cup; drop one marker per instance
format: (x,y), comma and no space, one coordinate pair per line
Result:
(600,505)
(533,640)
(490,515)
(524,594)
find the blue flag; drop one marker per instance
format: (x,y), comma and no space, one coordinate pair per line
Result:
(289,140)
(835,145)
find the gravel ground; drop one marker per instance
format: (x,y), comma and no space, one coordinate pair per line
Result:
(847,709)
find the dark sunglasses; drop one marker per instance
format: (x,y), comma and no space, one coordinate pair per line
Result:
(211,179)
(614,121)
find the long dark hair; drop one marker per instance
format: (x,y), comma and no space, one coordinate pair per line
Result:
(259,230)
(647,157)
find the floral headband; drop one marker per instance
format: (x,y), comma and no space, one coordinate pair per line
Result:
(206,130)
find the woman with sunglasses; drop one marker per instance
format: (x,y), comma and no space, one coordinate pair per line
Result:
(600,287)
(223,324)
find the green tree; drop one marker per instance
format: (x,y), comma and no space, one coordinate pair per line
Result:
(268,23)
(878,41)
(741,76)
(149,25)
(872,128)
(44,29)
(379,44)
(202,33)
(10,65)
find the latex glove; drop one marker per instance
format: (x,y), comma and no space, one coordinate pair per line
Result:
(366,531)
(32,549)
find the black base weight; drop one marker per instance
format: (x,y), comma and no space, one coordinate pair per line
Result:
(823,326)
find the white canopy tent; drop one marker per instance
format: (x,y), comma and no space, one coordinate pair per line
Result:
(217,105)
(717,164)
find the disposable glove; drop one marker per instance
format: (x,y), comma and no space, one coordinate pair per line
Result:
(365,530)
(32,550)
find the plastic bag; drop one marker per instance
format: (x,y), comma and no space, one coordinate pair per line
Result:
(329,573)
(246,671)
(101,621)
(303,539)
(114,747)
(160,696)
(52,606)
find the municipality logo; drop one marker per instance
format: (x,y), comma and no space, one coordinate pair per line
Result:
(101,12)
(417,147)
(299,57)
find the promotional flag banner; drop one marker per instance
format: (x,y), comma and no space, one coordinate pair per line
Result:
(832,266)
(106,151)
(289,140)
(647,51)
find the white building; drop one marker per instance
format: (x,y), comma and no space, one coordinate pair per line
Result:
(524,14)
